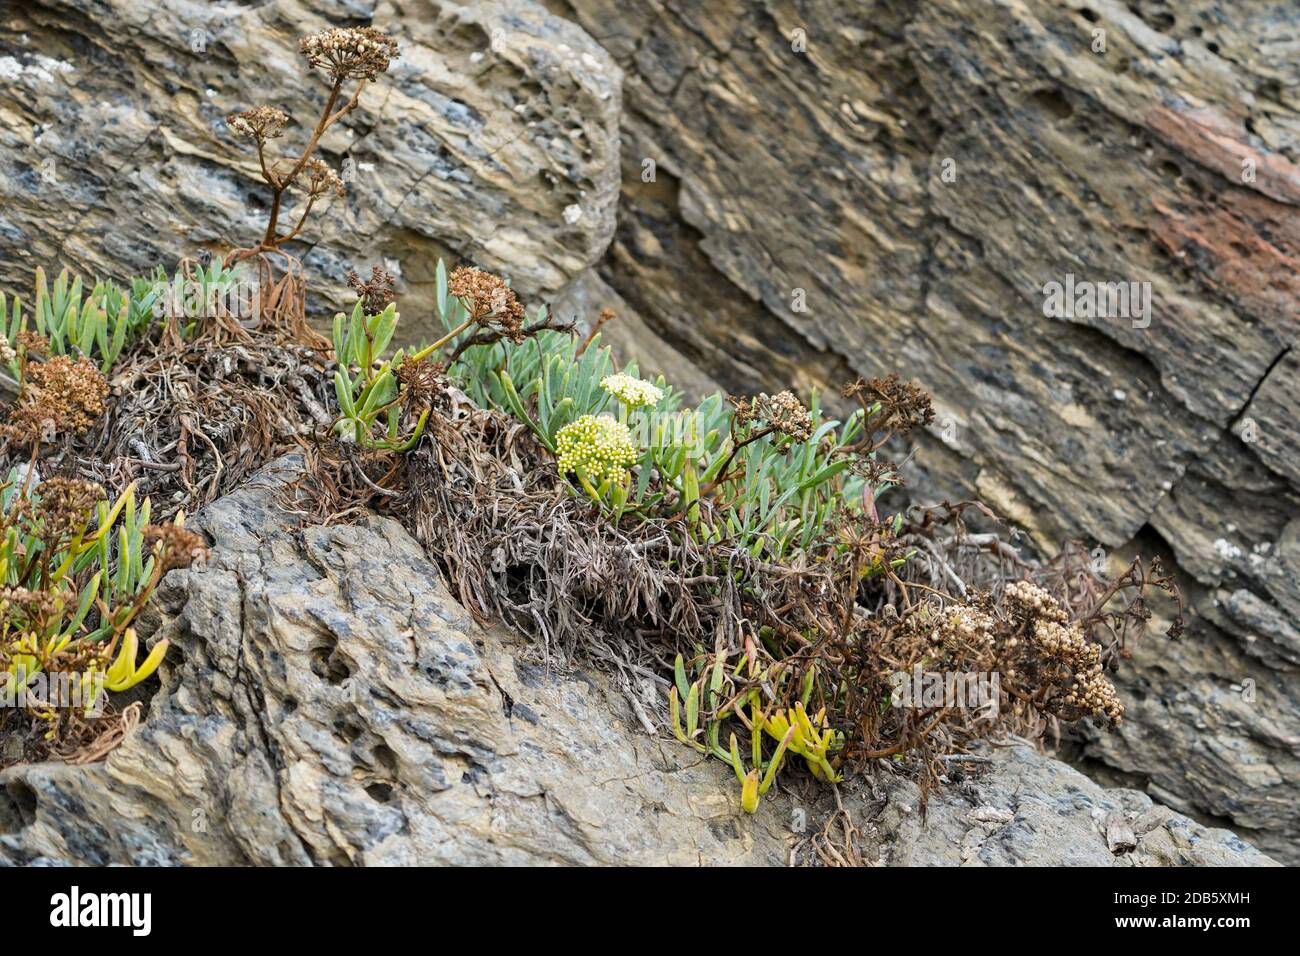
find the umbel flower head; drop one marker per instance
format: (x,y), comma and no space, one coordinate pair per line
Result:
(599,447)
(177,546)
(376,293)
(61,395)
(321,179)
(489,300)
(782,412)
(903,405)
(632,392)
(350,52)
(261,122)
(64,505)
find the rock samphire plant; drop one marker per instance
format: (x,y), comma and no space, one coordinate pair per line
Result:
(75,569)
(741,533)
(384,403)
(346,56)
(94,323)
(75,572)
(732,550)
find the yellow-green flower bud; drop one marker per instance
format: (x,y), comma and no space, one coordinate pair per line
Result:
(601,447)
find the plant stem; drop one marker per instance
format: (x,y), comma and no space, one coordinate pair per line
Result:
(430,349)
(721,474)
(327,119)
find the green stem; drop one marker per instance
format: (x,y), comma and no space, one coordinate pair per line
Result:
(430,349)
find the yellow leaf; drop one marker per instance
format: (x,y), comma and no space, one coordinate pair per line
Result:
(749,792)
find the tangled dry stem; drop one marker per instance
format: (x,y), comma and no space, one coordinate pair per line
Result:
(189,421)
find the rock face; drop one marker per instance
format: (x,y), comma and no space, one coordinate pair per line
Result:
(853,188)
(804,193)
(493,139)
(326,702)
(1031,810)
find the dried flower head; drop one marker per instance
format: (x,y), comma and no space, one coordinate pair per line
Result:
(30,342)
(375,294)
(782,413)
(64,505)
(1062,652)
(350,52)
(28,425)
(322,179)
(632,392)
(599,447)
(903,405)
(423,384)
(868,541)
(21,606)
(60,395)
(260,123)
(490,301)
(875,470)
(176,546)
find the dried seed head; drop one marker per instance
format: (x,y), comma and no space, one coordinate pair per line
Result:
(375,294)
(876,470)
(33,342)
(260,123)
(23,606)
(64,505)
(322,179)
(903,405)
(177,547)
(1058,647)
(350,52)
(60,395)
(491,303)
(783,413)
(422,383)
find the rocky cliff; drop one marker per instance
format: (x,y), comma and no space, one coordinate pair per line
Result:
(779,192)
(898,194)
(326,702)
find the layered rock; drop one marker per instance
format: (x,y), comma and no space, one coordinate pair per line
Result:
(1027,809)
(325,702)
(493,139)
(843,189)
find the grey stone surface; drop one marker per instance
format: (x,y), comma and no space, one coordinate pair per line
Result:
(493,139)
(325,702)
(1030,810)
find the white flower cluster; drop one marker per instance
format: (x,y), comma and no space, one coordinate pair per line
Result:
(633,392)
